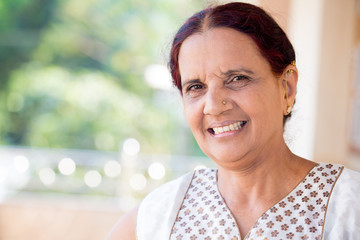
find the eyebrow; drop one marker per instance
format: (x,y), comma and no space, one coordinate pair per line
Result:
(232,71)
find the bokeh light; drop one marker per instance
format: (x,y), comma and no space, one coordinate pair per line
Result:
(138,182)
(47,176)
(92,178)
(131,147)
(112,169)
(156,170)
(158,76)
(21,164)
(67,166)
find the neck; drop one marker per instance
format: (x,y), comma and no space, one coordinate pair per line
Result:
(252,185)
(266,178)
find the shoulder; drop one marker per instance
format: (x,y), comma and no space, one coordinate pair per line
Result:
(165,191)
(136,223)
(343,211)
(158,210)
(125,228)
(349,176)
(347,186)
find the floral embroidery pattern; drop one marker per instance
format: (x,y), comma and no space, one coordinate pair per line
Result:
(300,215)
(203,212)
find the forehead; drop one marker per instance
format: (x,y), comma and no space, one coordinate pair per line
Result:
(216,49)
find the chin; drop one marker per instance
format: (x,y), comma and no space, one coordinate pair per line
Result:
(229,156)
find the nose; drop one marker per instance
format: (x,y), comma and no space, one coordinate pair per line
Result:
(216,102)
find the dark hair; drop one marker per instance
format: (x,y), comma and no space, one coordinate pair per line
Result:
(246,18)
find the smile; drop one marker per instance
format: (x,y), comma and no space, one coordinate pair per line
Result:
(231,127)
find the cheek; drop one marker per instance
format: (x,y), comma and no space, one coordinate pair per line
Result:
(261,105)
(193,115)
(270,110)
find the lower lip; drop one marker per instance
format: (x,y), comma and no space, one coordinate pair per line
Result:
(229,133)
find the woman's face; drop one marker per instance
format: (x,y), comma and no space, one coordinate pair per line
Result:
(233,102)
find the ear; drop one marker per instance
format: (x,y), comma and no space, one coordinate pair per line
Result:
(289,83)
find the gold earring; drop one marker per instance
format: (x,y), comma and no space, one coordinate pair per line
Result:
(290,70)
(224,102)
(288,109)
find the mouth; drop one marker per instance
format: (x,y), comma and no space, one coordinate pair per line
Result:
(231,127)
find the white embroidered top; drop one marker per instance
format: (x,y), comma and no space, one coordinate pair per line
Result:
(192,208)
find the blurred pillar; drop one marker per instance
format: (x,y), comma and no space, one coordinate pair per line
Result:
(354,160)
(304,31)
(335,79)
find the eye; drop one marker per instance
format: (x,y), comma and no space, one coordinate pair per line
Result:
(194,87)
(194,90)
(239,78)
(238,81)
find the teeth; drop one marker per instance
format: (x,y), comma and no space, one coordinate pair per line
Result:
(231,127)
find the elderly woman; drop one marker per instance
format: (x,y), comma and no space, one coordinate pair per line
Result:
(235,69)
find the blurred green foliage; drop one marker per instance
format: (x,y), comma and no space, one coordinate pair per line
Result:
(72,74)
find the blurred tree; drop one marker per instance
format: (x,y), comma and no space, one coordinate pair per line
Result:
(21,23)
(73,72)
